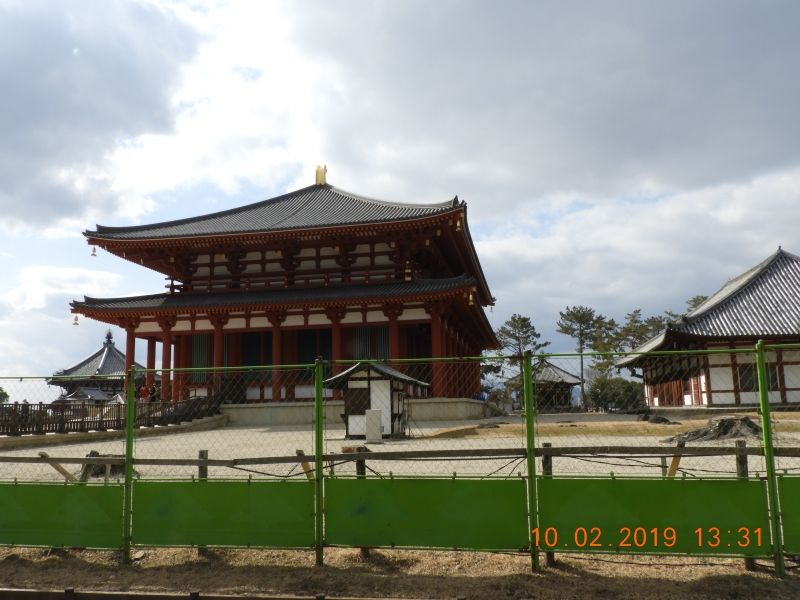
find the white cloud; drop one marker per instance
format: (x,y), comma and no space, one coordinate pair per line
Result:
(617,256)
(77,81)
(244,114)
(37,284)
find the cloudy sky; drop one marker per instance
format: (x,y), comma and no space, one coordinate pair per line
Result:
(613,154)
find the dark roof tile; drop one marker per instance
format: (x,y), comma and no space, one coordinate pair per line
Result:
(311,207)
(282,296)
(763,301)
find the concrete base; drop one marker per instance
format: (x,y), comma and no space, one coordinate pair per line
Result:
(445,409)
(280,413)
(302,413)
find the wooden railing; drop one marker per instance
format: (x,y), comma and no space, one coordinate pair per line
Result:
(33,419)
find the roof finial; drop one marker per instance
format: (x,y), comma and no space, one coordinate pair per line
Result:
(109,339)
(320,176)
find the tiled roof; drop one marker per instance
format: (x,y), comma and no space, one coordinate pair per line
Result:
(311,207)
(761,302)
(546,372)
(106,362)
(339,294)
(764,301)
(340,380)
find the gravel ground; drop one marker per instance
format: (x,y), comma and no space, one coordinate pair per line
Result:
(406,574)
(597,430)
(398,573)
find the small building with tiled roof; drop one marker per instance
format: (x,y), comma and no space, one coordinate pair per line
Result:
(97,378)
(315,272)
(763,303)
(553,386)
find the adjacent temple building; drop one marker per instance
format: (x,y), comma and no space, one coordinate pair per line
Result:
(96,379)
(315,272)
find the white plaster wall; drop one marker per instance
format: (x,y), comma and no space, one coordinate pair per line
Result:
(306,265)
(203,325)
(184,325)
(293,321)
(721,379)
(719,359)
(376,316)
(791,375)
(414,314)
(352,317)
(236,323)
(380,398)
(723,398)
(747,397)
(318,320)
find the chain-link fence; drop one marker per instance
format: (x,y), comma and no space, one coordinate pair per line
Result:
(454,418)
(51,429)
(371,439)
(227,424)
(782,378)
(693,414)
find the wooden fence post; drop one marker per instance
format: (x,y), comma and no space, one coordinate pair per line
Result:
(547,471)
(742,472)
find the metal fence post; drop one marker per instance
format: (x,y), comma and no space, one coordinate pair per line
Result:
(319,415)
(530,452)
(769,460)
(127,492)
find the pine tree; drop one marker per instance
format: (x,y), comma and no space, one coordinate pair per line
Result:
(580,323)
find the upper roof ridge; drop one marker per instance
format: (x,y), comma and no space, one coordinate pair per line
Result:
(308,207)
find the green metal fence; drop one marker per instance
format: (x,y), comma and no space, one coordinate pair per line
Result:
(548,476)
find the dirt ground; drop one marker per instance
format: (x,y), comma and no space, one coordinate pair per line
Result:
(395,573)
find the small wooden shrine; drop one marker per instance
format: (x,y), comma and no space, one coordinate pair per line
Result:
(376,387)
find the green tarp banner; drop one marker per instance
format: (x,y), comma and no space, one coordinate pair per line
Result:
(486,514)
(75,515)
(673,516)
(266,514)
(789,488)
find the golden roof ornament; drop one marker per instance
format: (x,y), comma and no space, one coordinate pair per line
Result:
(320,175)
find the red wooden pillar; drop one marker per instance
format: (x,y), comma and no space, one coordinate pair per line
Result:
(335,315)
(130,352)
(186,363)
(218,321)
(150,379)
(458,379)
(276,318)
(177,364)
(166,358)
(437,349)
(393,311)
